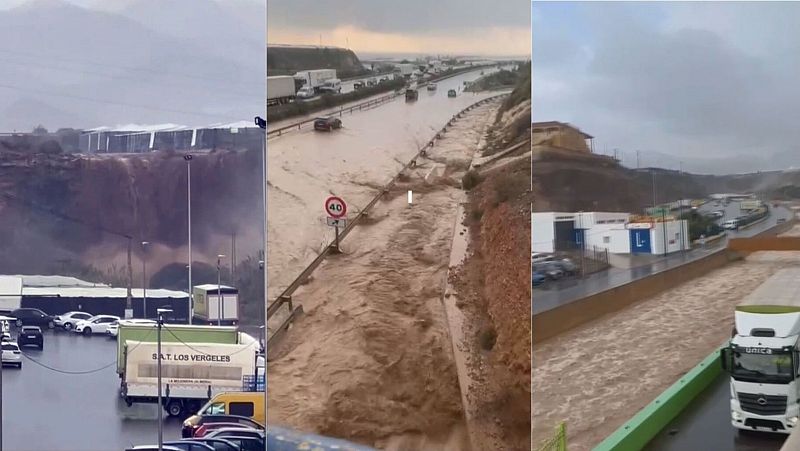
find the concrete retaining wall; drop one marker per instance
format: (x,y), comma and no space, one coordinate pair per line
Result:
(550,323)
(639,430)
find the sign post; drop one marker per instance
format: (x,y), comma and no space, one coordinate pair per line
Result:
(336,208)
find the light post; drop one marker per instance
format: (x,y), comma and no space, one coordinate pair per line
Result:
(144,278)
(220,310)
(188,158)
(6,319)
(161,312)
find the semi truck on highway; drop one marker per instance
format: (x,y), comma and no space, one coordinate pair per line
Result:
(314,79)
(280,90)
(190,374)
(763,356)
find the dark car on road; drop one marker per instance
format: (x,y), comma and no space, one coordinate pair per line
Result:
(30,336)
(32,317)
(327,124)
(538,278)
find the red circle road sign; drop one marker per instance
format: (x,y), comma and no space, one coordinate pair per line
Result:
(335,207)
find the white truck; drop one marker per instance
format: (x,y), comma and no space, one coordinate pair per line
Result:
(763,355)
(406,69)
(191,374)
(314,79)
(280,90)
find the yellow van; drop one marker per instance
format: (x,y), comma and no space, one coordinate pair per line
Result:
(249,404)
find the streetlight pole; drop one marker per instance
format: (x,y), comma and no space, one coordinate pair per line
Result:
(220,309)
(188,158)
(144,277)
(161,312)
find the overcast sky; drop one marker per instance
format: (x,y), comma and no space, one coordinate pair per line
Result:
(713,84)
(412,26)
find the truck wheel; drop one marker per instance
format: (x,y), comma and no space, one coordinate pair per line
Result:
(175,408)
(87,331)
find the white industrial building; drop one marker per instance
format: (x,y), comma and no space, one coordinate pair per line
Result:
(619,233)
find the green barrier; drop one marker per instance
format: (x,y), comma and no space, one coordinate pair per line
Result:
(639,430)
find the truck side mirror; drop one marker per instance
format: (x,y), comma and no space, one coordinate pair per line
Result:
(725,358)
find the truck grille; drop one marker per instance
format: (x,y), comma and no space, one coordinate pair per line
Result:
(762,404)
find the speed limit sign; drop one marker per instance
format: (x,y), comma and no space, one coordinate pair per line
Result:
(335,207)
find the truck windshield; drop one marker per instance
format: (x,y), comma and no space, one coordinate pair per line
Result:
(775,368)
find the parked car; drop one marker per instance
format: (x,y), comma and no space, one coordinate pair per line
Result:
(236,432)
(327,123)
(247,443)
(357,85)
(372,82)
(219,444)
(538,278)
(540,257)
(431,86)
(552,270)
(95,325)
(306,92)
(5,331)
(113,328)
(30,336)
(189,445)
(204,423)
(11,354)
(206,429)
(568,266)
(32,317)
(153,448)
(68,320)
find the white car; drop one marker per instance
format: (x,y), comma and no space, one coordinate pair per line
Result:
(11,354)
(306,92)
(70,319)
(113,328)
(95,325)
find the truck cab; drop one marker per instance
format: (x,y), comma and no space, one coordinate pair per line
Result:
(763,357)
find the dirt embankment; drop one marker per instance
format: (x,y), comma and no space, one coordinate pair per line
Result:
(494,288)
(70,207)
(288,60)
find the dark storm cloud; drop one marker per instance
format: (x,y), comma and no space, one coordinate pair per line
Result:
(682,85)
(411,16)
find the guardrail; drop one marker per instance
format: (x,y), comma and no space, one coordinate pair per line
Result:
(639,430)
(350,109)
(285,298)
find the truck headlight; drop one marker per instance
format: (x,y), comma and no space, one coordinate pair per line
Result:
(737,416)
(792,422)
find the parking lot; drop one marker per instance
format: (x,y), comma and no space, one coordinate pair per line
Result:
(45,407)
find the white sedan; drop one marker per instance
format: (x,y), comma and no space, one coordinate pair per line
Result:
(97,324)
(113,328)
(69,319)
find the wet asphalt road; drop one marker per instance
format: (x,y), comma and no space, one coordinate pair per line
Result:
(44,410)
(705,425)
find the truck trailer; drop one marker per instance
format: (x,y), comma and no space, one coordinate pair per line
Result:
(191,374)
(216,305)
(280,90)
(763,355)
(314,79)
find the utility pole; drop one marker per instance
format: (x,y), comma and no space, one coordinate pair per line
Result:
(637,159)
(188,158)
(664,228)
(144,277)
(160,312)
(653,172)
(220,308)
(233,259)
(263,124)
(130,271)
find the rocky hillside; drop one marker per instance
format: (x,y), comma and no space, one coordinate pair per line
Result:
(288,60)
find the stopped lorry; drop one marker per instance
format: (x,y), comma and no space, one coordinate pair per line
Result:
(763,356)
(197,362)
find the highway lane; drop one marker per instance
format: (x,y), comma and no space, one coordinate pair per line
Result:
(306,166)
(570,290)
(706,425)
